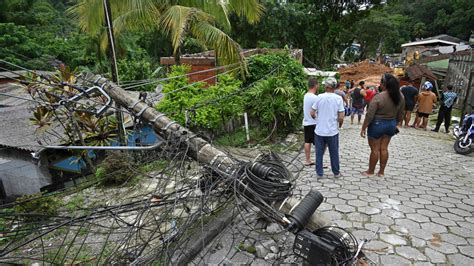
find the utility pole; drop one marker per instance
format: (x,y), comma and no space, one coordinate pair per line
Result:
(199,149)
(113,61)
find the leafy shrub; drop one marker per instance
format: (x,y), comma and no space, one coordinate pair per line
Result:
(135,70)
(38,203)
(287,68)
(270,100)
(275,101)
(114,170)
(208,116)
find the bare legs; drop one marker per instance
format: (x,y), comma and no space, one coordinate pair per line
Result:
(374,155)
(385,140)
(425,123)
(307,152)
(378,151)
(416,123)
(407,118)
(359,117)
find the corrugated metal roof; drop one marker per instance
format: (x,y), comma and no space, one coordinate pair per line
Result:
(442,38)
(16,130)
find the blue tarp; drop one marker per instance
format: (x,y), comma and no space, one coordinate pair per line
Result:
(74,164)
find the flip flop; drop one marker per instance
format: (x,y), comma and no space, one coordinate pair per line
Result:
(380,175)
(366,174)
(309,164)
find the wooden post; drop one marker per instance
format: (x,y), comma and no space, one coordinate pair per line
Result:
(114,69)
(199,149)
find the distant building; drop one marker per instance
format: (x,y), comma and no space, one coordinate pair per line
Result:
(432,46)
(203,64)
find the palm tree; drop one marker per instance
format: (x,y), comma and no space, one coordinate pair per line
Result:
(204,20)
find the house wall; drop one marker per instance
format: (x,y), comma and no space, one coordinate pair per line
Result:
(197,64)
(20,175)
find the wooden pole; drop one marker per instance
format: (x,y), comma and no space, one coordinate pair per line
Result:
(199,149)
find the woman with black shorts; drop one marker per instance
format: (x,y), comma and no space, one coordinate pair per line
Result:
(384,114)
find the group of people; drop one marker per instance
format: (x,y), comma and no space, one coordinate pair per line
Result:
(388,108)
(424,102)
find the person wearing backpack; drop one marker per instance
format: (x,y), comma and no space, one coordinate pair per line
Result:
(358,102)
(448,99)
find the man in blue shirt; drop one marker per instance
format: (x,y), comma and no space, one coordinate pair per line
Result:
(448,99)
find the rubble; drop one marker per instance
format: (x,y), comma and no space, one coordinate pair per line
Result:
(363,70)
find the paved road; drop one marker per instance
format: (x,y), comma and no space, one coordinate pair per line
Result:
(423,209)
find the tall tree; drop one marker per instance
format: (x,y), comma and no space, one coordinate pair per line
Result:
(205,20)
(317,27)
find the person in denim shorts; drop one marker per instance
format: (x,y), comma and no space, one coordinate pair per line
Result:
(380,124)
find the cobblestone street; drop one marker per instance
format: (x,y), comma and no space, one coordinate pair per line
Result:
(423,209)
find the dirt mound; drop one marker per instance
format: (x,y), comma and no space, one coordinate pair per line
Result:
(362,70)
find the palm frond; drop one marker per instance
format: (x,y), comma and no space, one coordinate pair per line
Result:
(227,50)
(89,14)
(175,21)
(252,10)
(218,9)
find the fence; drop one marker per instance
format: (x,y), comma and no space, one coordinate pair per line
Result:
(460,75)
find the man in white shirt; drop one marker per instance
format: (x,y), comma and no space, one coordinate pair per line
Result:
(328,109)
(309,123)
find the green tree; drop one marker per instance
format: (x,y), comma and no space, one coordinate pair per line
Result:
(380,26)
(205,21)
(317,27)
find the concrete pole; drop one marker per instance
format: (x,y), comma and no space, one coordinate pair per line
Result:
(199,149)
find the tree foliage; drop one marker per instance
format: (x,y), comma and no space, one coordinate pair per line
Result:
(323,29)
(181,97)
(272,95)
(205,21)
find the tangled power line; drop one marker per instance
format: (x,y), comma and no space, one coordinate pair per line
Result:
(153,220)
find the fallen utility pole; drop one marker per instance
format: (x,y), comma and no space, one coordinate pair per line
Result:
(199,149)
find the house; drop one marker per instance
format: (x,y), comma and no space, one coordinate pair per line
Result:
(27,164)
(20,172)
(432,46)
(203,65)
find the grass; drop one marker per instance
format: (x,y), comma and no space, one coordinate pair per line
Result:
(56,256)
(249,248)
(238,138)
(75,202)
(154,166)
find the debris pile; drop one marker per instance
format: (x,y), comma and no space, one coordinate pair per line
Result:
(362,70)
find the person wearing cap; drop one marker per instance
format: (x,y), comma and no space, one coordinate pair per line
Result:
(426,100)
(328,110)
